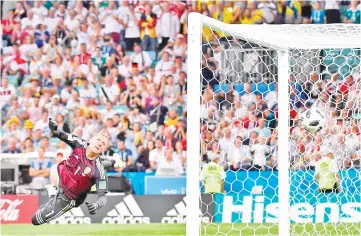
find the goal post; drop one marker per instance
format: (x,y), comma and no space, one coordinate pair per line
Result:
(257,57)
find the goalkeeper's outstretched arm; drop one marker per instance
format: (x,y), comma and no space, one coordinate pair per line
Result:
(70,139)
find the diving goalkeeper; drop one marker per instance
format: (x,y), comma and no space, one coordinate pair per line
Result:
(327,176)
(77,175)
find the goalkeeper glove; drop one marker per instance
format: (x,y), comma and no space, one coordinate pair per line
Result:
(53,125)
(119,163)
(92,207)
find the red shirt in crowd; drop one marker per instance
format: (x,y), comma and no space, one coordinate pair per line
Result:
(5,24)
(83,58)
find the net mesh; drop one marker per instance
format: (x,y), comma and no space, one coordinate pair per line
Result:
(239,110)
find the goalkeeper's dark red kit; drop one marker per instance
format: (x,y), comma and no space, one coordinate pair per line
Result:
(77,175)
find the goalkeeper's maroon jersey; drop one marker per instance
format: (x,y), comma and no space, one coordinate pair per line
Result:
(77,174)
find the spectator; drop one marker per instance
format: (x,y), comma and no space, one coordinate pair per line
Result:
(62,125)
(109,91)
(269,11)
(163,66)
(54,176)
(12,146)
(6,89)
(131,98)
(88,92)
(180,153)
(353,13)
(241,159)
(8,26)
(180,47)
(171,164)
(140,57)
(169,141)
(262,130)
(132,32)
(318,15)
(260,152)
(83,56)
(156,112)
(15,110)
(167,26)
(142,163)
(156,155)
(148,22)
(28,146)
(64,149)
(34,111)
(170,92)
(45,144)
(28,126)
(40,172)
(332,10)
(126,156)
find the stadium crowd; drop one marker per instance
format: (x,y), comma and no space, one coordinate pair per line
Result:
(120,67)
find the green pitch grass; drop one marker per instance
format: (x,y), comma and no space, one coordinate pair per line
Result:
(178,229)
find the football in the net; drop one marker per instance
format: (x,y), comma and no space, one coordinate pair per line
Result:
(313,120)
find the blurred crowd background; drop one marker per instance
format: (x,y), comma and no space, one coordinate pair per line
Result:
(120,67)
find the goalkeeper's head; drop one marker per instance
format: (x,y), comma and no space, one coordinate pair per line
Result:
(98,143)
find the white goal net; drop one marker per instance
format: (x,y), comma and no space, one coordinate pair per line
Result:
(255,160)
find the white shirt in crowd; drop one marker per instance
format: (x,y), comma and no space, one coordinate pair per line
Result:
(40,13)
(112,92)
(71,24)
(108,114)
(27,22)
(51,23)
(132,30)
(260,153)
(108,20)
(40,125)
(332,5)
(175,164)
(248,98)
(271,99)
(143,59)
(90,92)
(7,93)
(124,70)
(162,68)
(241,154)
(157,155)
(268,9)
(168,25)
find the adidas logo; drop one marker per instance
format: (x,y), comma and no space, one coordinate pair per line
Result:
(126,212)
(177,215)
(73,216)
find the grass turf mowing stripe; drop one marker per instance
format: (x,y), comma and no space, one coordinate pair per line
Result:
(178,229)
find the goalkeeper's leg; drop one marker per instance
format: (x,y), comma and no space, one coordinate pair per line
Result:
(56,206)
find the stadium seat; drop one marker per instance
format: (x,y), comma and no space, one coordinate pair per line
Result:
(152,55)
(221,87)
(120,108)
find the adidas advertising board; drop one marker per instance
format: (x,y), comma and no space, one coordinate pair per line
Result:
(177,215)
(316,208)
(136,209)
(126,212)
(73,216)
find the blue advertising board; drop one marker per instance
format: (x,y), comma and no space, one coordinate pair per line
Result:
(165,185)
(246,204)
